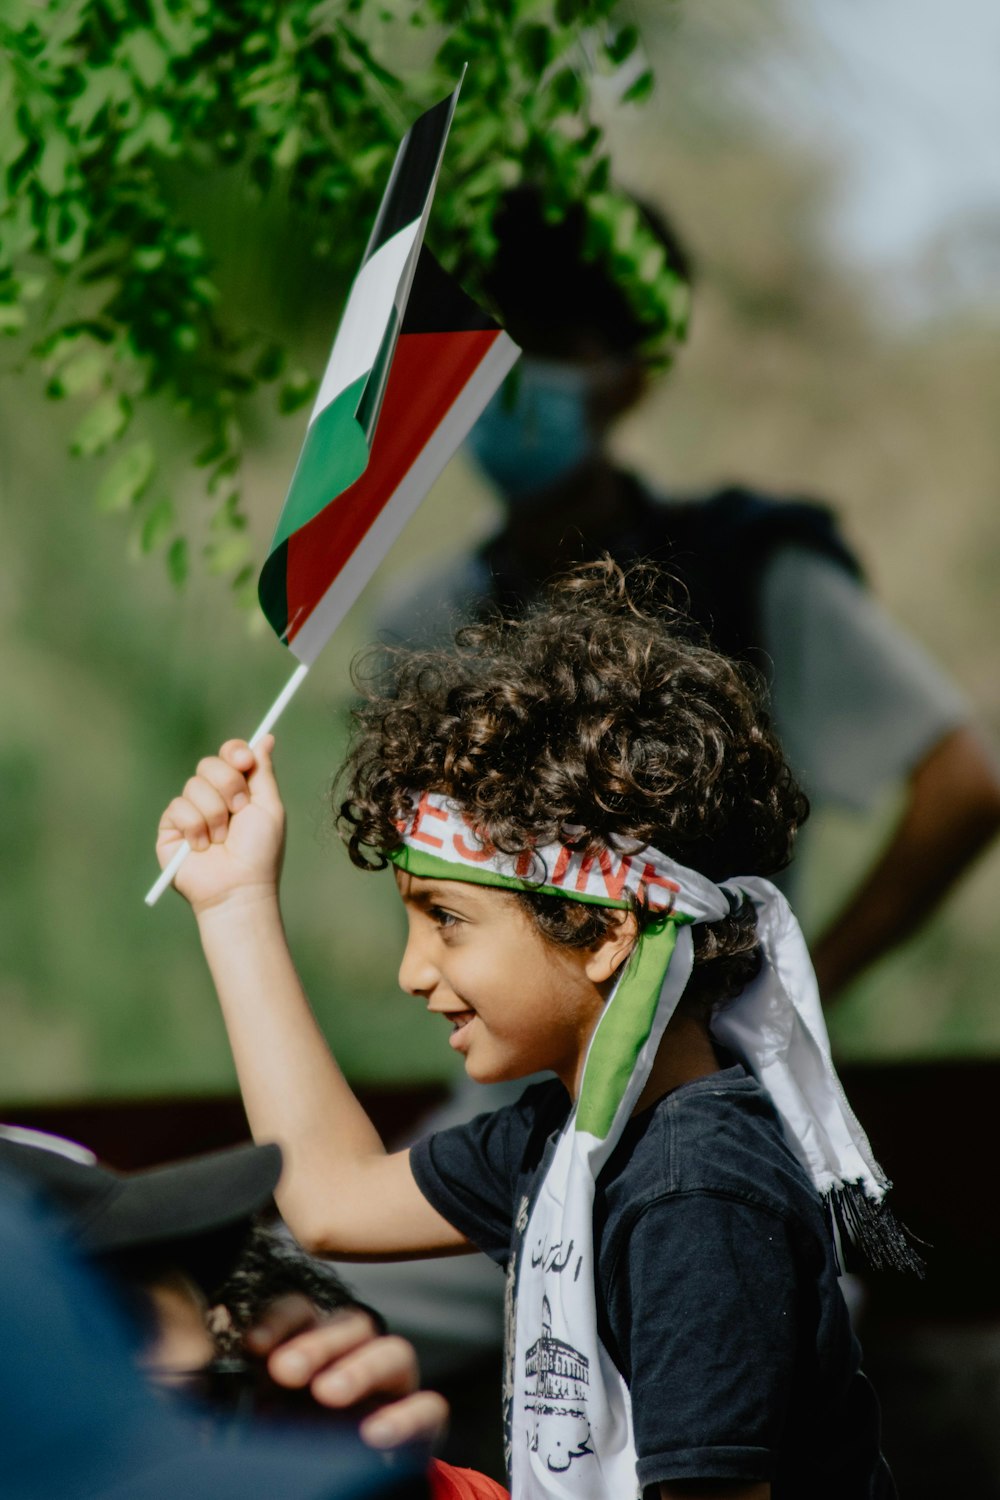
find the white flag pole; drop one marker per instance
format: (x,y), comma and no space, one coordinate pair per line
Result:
(267,723)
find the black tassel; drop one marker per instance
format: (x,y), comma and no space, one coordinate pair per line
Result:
(871,1227)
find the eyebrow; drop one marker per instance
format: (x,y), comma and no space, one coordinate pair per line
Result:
(425,896)
(436,895)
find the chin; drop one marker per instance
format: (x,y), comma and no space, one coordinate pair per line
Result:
(493,1070)
(480,1072)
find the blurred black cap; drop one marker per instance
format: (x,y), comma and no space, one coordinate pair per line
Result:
(114,1211)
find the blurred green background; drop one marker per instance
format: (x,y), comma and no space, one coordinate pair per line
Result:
(821,361)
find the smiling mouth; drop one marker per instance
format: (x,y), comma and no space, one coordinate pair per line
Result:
(461,1018)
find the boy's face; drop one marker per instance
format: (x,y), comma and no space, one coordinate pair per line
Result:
(517,1003)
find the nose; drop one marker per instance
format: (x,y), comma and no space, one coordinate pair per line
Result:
(417,973)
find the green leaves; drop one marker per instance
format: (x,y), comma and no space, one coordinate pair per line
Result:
(154,132)
(84,373)
(103,88)
(118,122)
(127,479)
(535,47)
(157,526)
(640,90)
(106,420)
(178,561)
(299,388)
(54,164)
(146,57)
(12,317)
(621,44)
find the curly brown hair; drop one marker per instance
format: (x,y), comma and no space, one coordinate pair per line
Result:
(598,716)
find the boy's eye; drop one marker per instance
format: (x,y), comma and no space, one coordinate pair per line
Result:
(442,918)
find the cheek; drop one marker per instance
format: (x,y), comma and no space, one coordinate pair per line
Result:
(574,1004)
(549,992)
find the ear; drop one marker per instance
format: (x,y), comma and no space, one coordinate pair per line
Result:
(607,956)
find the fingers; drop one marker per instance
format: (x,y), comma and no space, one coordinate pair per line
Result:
(420,1418)
(303,1358)
(345,1364)
(281,1320)
(221,787)
(261,778)
(385,1366)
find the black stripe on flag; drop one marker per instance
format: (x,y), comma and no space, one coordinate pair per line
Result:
(412,173)
(272,590)
(437,304)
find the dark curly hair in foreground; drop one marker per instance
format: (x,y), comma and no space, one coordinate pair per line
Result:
(599,711)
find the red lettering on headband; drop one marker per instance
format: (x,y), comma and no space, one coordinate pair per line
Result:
(650,877)
(525,862)
(614,880)
(485,850)
(425,810)
(561,866)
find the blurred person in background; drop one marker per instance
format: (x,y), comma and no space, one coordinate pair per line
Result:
(232,1318)
(858,705)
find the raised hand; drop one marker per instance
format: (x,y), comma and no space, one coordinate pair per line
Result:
(231,814)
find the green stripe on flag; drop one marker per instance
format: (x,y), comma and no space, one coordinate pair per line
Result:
(333,456)
(622,1030)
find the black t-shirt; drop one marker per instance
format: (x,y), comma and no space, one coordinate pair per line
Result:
(718,1296)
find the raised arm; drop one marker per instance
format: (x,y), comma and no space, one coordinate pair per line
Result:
(340,1191)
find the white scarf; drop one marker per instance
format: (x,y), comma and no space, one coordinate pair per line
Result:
(569,1410)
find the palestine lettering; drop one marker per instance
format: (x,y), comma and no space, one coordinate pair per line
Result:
(455,838)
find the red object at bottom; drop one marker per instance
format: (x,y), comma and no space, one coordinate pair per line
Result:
(448,1483)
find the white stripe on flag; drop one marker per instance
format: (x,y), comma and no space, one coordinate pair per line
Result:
(372,297)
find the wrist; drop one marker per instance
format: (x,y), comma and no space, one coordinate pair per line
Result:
(250,902)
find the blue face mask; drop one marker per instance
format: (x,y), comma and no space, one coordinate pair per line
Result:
(526,443)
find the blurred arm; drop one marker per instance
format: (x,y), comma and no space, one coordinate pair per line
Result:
(952,812)
(861,707)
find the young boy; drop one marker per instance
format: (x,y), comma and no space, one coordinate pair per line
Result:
(559,798)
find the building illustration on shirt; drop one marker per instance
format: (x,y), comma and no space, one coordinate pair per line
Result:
(560,1370)
(558,1399)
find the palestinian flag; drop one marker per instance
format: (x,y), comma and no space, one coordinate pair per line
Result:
(413,364)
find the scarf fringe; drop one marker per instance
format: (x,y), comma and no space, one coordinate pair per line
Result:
(870,1227)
